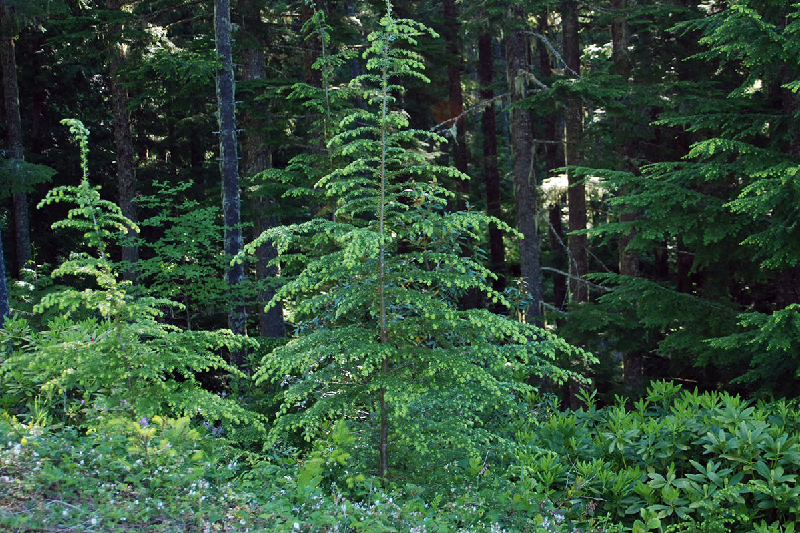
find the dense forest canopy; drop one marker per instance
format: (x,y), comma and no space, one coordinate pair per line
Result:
(388,236)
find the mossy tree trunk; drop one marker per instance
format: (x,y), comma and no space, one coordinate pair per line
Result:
(521,122)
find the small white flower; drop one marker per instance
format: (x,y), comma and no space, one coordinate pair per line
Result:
(296,526)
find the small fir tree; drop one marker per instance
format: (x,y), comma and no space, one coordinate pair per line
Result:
(107,346)
(380,339)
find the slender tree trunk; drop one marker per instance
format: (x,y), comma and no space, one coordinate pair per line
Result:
(3,287)
(126,173)
(518,62)
(383,444)
(229,166)
(491,173)
(455,95)
(458,146)
(576,197)
(22,234)
(632,361)
(258,157)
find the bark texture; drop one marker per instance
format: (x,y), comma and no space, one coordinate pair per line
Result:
(22,232)
(229,165)
(521,123)
(576,197)
(258,157)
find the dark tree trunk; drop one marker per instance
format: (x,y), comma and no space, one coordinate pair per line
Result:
(38,141)
(3,287)
(628,259)
(456,98)
(576,197)
(258,157)
(688,281)
(458,146)
(491,172)
(126,174)
(270,322)
(787,287)
(518,62)
(554,158)
(661,260)
(311,47)
(229,166)
(22,233)
(632,361)
(355,68)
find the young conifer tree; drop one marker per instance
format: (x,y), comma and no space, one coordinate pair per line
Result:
(105,345)
(380,339)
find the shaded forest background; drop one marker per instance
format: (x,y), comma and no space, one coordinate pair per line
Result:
(645,150)
(247,285)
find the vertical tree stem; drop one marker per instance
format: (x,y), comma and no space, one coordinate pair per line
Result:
(384,436)
(229,163)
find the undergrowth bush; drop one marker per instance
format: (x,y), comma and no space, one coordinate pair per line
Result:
(676,462)
(673,461)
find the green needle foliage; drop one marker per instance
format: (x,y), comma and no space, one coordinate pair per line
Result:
(106,348)
(186,265)
(380,339)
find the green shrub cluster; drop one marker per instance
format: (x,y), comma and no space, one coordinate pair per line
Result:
(675,461)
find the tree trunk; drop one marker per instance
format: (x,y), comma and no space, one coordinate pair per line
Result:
(576,197)
(787,287)
(126,174)
(3,287)
(311,47)
(258,157)
(554,158)
(270,322)
(632,361)
(22,234)
(458,146)
(229,166)
(455,96)
(521,122)
(661,260)
(628,259)
(491,173)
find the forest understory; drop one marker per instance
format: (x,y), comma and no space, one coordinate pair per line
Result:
(423,265)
